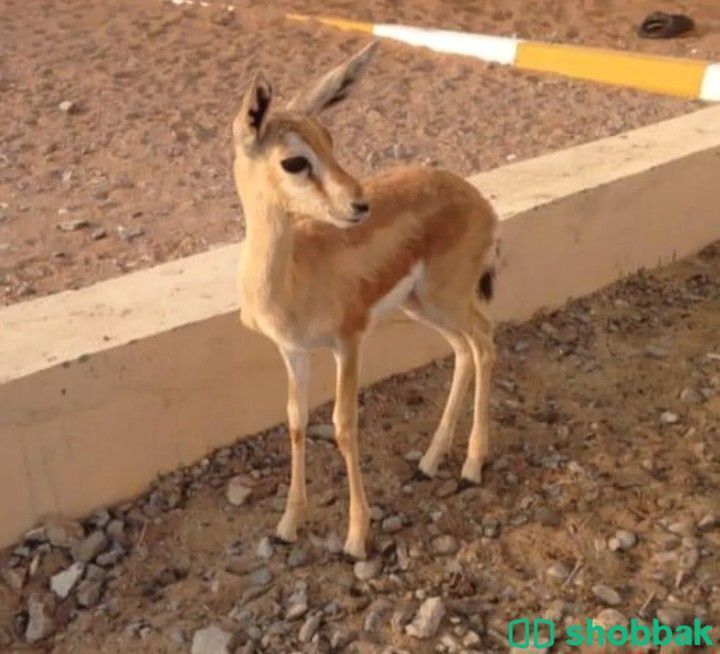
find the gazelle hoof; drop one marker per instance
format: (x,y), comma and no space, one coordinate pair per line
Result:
(472,472)
(286,531)
(419,475)
(356,549)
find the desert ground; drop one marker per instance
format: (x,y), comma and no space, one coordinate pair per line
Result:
(602,499)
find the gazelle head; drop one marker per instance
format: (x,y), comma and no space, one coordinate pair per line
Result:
(287,156)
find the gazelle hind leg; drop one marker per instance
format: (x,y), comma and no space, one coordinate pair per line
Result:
(480,340)
(462,374)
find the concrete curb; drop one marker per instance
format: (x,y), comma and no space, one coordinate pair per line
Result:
(104,388)
(688,78)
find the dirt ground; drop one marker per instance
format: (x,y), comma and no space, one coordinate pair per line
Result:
(141,161)
(605,417)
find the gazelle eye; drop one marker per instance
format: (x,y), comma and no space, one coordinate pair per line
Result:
(295,164)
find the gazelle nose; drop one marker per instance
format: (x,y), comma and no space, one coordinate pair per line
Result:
(360,208)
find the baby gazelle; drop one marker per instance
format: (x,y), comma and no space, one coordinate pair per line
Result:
(325,254)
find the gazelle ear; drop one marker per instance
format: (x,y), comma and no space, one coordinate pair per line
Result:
(334,86)
(249,122)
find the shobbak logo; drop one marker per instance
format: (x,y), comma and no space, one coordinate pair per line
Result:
(540,634)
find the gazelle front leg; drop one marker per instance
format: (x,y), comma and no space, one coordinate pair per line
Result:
(298,368)
(345,421)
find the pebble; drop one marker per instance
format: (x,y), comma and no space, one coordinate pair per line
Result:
(447,488)
(261,577)
(413,456)
(14,578)
(73,225)
(89,592)
(376,513)
(265,549)
(445,545)
(309,628)
(325,432)
(392,524)
(40,623)
(63,582)
(237,491)
(670,616)
(427,620)
(366,570)
(609,617)
(116,531)
(67,107)
(558,570)
(669,418)
(111,558)
(211,640)
(377,614)
(606,594)
(63,533)
(334,544)
(622,540)
(298,557)
(87,549)
(491,527)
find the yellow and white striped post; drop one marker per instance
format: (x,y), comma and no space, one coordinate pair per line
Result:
(688,78)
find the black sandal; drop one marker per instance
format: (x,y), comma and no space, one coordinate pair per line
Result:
(660,25)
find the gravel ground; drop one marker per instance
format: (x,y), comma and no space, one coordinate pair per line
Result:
(114,134)
(602,501)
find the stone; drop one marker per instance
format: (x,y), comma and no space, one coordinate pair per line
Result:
(622,540)
(392,524)
(89,593)
(237,491)
(265,549)
(447,488)
(669,418)
(63,582)
(261,577)
(211,640)
(116,531)
(40,623)
(88,548)
(111,558)
(63,533)
(73,225)
(67,107)
(377,613)
(558,570)
(606,594)
(366,570)
(299,557)
(427,620)
(309,628)
(14,578)
(324,432)
(333,543)
(445,545)
(610,617)
(670,616)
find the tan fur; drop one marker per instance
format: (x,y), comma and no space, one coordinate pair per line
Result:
(310,278)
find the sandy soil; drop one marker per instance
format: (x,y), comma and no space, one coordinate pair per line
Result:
(144,156)
(604,417)
(604,23)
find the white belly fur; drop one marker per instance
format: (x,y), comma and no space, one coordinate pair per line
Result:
(398,294)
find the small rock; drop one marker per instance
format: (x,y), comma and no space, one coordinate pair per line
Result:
(40,623)
(366,570)
(340,639)
(111,558)
(606,594)
(63,533)
(309,628)
(392,524)
(86,550)
(211,640)
(376,614)
(558,570)
(334,544)
(67,107)
(296,610)
(708,522)
(445,545)
(669,418)
(669,616)
(89,592)
(237,491)
(14,577)
(261,577)
(321,432)
(98,234)
(63,582)
(376,513)
(446,489)
(656,352)
(610,617)
(622,540)
(413,456)
(116,531)
(427,619)
(265,548)
(471,639)
(298,557)
(491,527)
(73,225)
